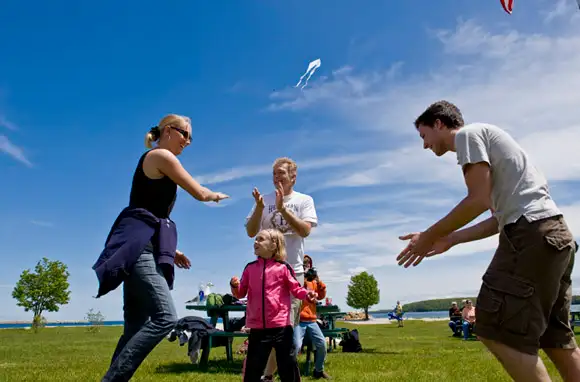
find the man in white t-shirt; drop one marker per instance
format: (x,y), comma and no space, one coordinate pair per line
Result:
(524,302)
(293,214)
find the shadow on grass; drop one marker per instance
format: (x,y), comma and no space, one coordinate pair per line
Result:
(213,367)
(382,352)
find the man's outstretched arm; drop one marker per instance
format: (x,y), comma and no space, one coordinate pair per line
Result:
(478,200)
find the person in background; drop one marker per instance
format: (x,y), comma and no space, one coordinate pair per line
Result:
(455,318)
(399,313)
(140,250)
(268,282)
(468,315)
(308,324)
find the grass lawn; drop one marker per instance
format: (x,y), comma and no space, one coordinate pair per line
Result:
(421,351)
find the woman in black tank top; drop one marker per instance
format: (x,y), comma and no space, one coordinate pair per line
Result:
(149,313)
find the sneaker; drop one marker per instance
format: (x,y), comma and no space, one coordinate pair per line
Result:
(267,378)
(320,374)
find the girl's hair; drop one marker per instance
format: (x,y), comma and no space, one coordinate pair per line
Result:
(174,120)
(278,238)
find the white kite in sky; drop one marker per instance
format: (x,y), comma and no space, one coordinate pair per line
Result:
(310,71)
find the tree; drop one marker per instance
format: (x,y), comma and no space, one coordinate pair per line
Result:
(363,292)
(95,319)
(43,290)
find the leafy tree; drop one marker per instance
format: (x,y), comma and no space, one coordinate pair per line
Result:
(43,290)
(363,292)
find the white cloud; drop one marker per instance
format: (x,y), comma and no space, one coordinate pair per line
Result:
(7,147)
(525,83)
(242,172)
(4,122)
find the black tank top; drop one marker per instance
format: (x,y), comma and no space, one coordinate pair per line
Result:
(155,195)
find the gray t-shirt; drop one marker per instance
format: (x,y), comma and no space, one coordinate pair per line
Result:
(518,187)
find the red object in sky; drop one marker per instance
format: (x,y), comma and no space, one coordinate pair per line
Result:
(508,5)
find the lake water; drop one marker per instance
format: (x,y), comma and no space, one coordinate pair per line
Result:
(417,315)
(62,324)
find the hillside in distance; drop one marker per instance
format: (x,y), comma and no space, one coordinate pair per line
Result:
(440,304)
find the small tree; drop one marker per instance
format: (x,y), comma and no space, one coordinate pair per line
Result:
(95,319)
(43,290)
(363,292)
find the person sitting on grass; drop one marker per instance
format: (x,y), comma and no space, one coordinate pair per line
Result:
(455,318)
(268,282)
(468,315)
(308,324)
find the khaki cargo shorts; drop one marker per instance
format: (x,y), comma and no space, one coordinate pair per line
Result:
(296,305)
(524,301)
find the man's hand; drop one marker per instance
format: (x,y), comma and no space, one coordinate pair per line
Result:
(235,282)
(181,260)
(312,296)
(258,198)
(421,246)
(279,197)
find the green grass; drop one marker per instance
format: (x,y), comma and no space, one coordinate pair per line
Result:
(421,351)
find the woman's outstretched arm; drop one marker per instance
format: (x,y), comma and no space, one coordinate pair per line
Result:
(168,164)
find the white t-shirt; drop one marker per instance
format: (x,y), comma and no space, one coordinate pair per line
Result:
(519,188)
(302,206)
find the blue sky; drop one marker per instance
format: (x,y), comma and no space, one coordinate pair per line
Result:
(81,84)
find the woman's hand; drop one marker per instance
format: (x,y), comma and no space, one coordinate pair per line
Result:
(181,260)
(219,196)
(235,282)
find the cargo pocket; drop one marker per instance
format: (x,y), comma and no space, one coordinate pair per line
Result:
(558,236)
(507,301)
(561,242)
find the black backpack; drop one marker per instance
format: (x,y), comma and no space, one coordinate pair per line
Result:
(350,342)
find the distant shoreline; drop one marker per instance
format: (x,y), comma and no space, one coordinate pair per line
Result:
(48,322)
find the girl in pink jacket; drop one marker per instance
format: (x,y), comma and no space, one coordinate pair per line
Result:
(268,282)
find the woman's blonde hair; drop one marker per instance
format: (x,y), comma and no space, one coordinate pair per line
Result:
(174,120)
(277,238)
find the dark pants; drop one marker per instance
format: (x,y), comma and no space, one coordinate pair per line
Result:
(149,316)
(260,344)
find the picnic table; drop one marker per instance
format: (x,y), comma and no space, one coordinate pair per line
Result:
(328,312)
(574,319)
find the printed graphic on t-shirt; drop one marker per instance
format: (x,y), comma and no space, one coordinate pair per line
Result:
(277,220)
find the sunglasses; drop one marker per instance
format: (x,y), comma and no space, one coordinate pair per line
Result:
(184,133)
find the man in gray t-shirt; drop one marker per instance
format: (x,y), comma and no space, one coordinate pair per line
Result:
(524,301)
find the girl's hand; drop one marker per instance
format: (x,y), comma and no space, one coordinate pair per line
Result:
(181,260)
(312,296)
(235,282)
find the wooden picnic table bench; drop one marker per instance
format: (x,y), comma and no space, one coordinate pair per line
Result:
(330,312)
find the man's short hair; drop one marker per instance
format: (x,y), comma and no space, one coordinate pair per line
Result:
(445,111)
(292,166)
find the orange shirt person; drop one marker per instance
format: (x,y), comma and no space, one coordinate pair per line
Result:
(308,322)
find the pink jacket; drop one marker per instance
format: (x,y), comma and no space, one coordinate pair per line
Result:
(268,284)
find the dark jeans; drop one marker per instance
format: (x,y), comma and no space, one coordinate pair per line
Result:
(260,344)
(149,316)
